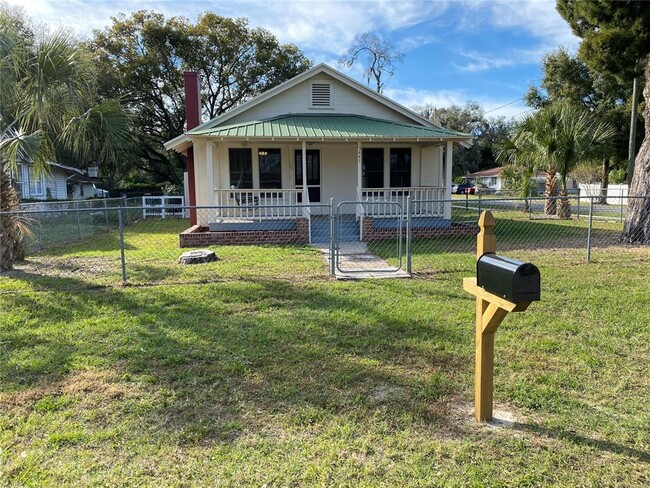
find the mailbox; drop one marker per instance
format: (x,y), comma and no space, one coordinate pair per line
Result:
(508,278)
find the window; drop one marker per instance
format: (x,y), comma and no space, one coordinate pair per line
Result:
(17,178)
(400,167)
(321,95)
(241,168)
(372,159)
(35,183)
(270,168)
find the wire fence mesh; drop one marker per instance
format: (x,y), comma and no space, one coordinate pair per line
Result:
(124,242)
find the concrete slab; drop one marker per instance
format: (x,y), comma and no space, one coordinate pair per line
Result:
(354,256)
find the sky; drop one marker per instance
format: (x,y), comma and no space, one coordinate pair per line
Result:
(455,51)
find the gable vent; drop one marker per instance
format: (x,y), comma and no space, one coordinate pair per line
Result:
(321,95)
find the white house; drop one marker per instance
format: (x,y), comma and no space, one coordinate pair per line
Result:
(492,180)
(489,178)
(59,182)
(351,143)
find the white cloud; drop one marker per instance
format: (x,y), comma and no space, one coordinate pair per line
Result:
(414,42)
(481,62)
(411,97)
(538,17)
(322,26)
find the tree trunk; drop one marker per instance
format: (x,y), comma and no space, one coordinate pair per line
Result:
(10,235)
(637,223)
(604,183)
(550,205)
(563,206)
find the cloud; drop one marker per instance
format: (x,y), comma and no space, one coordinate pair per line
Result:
(537,17)
(411,97)
(321,26)
(482,62)
(416,42)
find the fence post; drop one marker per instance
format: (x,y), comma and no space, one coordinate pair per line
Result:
(78,221)
(480,205)
(120,215)
(621,204)
(332,238)
(591,219)
(409,235)
(126,213)
(578,204)
(106,214)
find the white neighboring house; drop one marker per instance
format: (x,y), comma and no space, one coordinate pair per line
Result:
(491,179)
(488,178)
(350,142)
(60,182)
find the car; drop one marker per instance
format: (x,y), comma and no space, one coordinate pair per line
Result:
(463,188)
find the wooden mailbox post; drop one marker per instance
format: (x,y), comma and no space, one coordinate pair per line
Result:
(491,309)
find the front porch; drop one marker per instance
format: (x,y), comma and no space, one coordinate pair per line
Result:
(378,210)
(258,205)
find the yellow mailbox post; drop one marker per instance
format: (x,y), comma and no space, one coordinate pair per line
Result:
(491,308)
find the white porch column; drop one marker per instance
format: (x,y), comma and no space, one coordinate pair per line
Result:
(209,165)
(305,193)
(359,170)
(449,159)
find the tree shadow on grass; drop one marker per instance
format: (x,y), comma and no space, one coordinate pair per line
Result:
(275,347)
(208,364)
(601,445)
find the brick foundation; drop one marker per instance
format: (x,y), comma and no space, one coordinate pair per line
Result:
(372,233)
(199,236)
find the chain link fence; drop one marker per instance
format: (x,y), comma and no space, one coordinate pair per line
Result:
(120,241)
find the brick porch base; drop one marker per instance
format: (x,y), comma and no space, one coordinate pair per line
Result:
(372,233)
(200,236)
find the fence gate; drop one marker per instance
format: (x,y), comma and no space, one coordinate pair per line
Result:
(369,237)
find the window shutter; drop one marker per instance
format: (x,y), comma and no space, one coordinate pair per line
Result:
(320,95)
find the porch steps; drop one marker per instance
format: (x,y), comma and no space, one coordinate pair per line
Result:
(348,229)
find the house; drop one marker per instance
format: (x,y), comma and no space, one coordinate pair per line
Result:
(488,178)
(491,180)
(59,182)
(316,138)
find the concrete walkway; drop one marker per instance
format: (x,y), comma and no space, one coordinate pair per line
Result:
(355,256)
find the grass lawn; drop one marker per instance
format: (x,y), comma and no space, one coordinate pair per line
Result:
(274,375)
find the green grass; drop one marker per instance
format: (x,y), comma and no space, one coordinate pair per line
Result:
(276,375)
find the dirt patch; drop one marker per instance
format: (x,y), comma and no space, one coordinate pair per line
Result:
(88,386)
(58,267)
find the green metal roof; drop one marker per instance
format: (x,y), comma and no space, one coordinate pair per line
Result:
(328,127)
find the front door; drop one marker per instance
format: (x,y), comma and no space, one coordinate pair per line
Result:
(313,174)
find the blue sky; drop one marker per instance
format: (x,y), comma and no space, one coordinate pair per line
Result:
(455,51)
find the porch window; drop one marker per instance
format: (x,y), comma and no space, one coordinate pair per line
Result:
(400,167)
(372,159)
(270,168)
(241,167)
(35,183)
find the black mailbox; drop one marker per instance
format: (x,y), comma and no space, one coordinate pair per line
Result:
(508,278)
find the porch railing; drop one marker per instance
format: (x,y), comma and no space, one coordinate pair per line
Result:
(425,201)
(258,204)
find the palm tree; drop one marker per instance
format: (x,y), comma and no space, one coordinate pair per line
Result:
(520,179)
(555,139)
(48,102)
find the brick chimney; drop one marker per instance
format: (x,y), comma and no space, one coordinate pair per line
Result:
(192,120)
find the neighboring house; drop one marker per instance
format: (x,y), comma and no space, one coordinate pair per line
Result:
(488,178)
(59,182)
(492,180)
(351,143)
